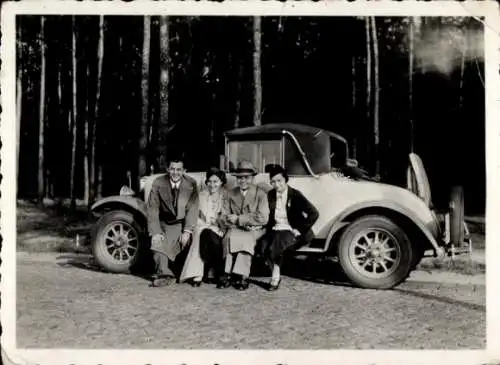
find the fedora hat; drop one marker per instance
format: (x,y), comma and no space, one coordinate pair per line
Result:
(245,168)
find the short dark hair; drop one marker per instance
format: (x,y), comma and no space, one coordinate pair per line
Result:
(277,170)
(175,159)
(217,172)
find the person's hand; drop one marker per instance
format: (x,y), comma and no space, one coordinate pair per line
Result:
(184,239)
(156,240)
(296,233)
(232,218)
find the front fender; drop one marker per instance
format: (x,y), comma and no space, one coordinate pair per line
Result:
(124,201)
(429,228)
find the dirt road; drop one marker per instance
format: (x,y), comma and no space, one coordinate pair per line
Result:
(63,302)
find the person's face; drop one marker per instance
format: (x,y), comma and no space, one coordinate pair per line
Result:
(176,170)
(278,182)
(214,184)
(244,181)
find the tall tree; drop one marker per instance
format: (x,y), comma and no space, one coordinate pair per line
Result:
(353,103)
(163,124)
(411,58)
(74,114)
(257,72)
(19,91)
(237,112)
(368,75)
(143,136)
(462,71)
(86,143)
(41,132)
(95,182)
(376,101)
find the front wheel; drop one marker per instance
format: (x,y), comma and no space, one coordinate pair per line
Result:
(375,253)
(116,241)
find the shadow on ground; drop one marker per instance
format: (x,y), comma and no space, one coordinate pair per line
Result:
(309,269)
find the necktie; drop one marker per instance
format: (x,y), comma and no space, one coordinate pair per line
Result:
(175,192)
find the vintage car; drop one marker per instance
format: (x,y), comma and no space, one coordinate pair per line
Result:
(377,232)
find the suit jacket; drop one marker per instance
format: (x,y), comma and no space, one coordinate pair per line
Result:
(252,209)
(253,213)
(160,207)
(300,212)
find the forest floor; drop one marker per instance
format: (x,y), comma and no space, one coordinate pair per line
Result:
(64,300)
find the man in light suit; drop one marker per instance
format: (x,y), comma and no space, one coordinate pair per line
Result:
(245,215)
(172,216)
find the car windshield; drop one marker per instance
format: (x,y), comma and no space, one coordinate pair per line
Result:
(260,153)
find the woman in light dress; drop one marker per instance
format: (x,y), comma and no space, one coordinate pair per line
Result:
(206,249)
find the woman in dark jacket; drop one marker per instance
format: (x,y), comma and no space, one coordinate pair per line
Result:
(290,220)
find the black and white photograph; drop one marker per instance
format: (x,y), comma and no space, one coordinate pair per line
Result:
(248,176)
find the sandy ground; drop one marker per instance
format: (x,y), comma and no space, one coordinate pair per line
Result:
(64,301)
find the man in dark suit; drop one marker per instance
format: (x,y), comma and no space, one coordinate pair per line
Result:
(172,216)
(291,217)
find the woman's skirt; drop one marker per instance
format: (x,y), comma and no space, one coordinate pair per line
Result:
(194,264)
(276,243)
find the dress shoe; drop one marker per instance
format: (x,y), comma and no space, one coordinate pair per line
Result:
(196,283)
(242,284)
(162,280)
(223,282)
(273,286)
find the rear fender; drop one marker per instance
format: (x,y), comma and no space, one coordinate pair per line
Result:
(129,203)
(417,230)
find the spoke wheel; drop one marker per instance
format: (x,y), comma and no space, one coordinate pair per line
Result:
(121,241)
(374,252)
(116,241)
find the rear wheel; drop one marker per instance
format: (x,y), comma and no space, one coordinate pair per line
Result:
(375,253)
(116,241)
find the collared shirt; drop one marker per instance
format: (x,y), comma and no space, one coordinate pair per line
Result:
(175,185)
(244,192)
(280,215)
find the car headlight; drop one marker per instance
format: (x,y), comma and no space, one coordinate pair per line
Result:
(125,190)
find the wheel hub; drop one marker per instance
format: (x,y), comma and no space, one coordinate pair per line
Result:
(375,253)
(122,242)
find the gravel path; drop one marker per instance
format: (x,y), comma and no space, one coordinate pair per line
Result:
(64,303)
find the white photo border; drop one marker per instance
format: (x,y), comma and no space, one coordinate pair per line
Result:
(488,10)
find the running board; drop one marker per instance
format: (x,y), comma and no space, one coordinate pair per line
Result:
(311,250)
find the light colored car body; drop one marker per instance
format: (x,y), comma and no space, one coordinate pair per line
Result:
(318,166)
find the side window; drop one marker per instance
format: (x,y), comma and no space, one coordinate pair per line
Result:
(260,153)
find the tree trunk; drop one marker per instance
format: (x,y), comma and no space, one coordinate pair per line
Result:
(143,136)
(376,101)
(353,104)
(462,72)
(411,58)
(86,160)
(257,76)
(41,155)
(368,81)
(163,124)
(74,115)
(94,167)
(238,96)
(19,95)
(59,189)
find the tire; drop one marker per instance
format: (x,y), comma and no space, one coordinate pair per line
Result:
(394,253)
(103,246)
(457,231)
